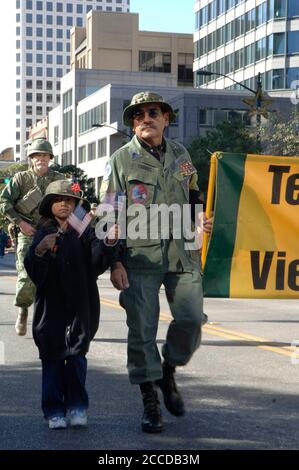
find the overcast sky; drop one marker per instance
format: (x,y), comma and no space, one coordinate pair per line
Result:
(154,15)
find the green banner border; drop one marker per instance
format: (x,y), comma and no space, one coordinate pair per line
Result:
(229,183)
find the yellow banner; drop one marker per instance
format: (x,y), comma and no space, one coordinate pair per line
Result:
(265,261)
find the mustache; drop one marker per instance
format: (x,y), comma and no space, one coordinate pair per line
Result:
(148,126)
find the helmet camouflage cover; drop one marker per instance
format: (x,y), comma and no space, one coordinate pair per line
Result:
(61,188)
(40,145)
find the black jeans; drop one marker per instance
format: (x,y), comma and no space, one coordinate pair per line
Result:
(63,386)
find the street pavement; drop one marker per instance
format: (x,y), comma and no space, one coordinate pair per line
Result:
(240,388)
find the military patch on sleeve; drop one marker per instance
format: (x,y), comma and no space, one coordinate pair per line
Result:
(186,168)
(107,171)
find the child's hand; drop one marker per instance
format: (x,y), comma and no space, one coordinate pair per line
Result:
(47,243)
(113,235)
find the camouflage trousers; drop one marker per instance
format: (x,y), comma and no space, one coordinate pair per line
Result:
(25,289)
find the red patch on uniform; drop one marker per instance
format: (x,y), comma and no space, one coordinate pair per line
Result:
(139,193)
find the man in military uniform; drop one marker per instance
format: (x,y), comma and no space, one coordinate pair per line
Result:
(151,169)
(19,202)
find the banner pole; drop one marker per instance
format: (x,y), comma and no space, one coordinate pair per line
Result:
(210,199)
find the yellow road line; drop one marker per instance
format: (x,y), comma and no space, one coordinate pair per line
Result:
(224,333)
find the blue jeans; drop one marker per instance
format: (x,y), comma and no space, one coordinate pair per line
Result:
(63,386)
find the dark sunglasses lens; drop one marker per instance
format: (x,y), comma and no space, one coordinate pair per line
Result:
(153,113)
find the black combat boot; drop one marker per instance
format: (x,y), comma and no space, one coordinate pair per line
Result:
(172,397)
(152,417)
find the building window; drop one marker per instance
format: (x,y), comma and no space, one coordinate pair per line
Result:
(56,135)
(96,115)
(276,9)
(293,8)
(39,84)
(292,75)
(261,14)
(67,158)
(82,154)
(68,99)
(185,69)
(278,79)
(91,154)
(102,148)
(260,49)
(293,42)
(150,61)
(67,130)
(278,43)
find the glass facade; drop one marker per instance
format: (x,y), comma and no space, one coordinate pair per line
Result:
(281,41)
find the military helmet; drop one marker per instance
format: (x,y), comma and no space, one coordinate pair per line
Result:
(146,97)
(40,145)
(61,188)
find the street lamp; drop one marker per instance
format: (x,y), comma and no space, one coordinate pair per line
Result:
(255,103)
(112,127)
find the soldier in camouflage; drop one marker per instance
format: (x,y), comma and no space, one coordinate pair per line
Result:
(151,169)
(19,202)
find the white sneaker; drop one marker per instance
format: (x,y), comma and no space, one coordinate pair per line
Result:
(78,418)
(57,422)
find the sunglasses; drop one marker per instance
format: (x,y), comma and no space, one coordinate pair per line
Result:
(152,112)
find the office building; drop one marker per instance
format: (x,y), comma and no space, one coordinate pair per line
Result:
(242,38)
(43,55)
(113,41)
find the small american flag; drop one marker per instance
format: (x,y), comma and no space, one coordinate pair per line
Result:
(79,219)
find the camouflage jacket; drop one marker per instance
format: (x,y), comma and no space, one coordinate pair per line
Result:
(20,199)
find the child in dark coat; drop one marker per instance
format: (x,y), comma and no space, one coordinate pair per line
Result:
(64,268)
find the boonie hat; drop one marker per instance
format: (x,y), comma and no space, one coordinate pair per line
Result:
(146,97)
